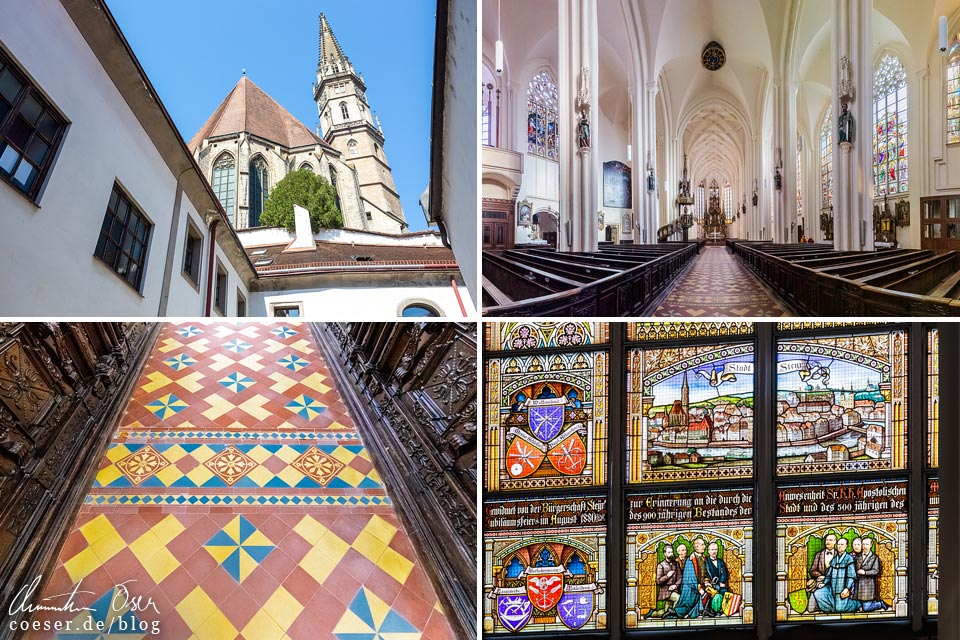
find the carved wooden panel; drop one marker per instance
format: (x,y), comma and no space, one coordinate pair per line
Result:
(63,386)
(413,389)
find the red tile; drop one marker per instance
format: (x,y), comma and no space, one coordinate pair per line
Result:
(240,607)
(301,585)
(199,564)
(438,628)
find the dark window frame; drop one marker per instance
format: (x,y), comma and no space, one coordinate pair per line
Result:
(241,304)
(286,306)
(47,127)
(220,284)
(193,255)
(118,239)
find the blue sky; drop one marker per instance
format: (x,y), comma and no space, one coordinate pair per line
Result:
(194,51)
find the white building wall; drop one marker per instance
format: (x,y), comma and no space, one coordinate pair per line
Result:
(367,302)
(613,141)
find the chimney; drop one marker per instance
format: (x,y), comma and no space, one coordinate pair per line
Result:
(304,239)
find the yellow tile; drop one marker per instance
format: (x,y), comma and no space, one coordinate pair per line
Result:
(191,382)
(365,454)
(381,529)
(160,565)
(343,455)
(316,381)
(283,608)
(259,454)
(395,565)
(218,407)
(371,548)
(351,624)
(157,381)
(169,475)
(216,627)
(303,346)
(260,475)
(167,529)
(199,345)
(282,382)
(252,362)
(117,453)
(108,474)
(174,453)
(320,563)
(263,627)
(291,476)
(169,345)
(254,406)
(336,426)
(145,546)
(97,528)
(287,453)
(200,475)
(373,475)
(272,346)
(438,607)
(220,362)
(310,530)
(83,564)
(195,608)
(108,546)
(351,476)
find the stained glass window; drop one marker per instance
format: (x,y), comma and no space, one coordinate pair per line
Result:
(890,128)
(546,421)
(842,404)
(953,94)
(806,326)
(728,202)
(701,201)
(224,181)
(826,160)
(827,533)
(542,101)
(690,413)
(524,336)
(933,545)
(637,331)
(933,398)
(485,119)
(546,564)
(690,555)
(799,177)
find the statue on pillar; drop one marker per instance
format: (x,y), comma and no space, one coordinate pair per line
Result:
(583,106)
(846,130)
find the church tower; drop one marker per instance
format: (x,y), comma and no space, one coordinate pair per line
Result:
(351,128)
(685,399)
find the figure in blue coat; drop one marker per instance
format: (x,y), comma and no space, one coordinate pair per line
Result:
(690,604)
(836,595)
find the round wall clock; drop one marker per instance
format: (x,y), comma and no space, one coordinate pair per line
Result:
(713,56)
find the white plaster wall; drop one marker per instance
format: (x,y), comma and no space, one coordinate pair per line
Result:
(369,302)
(613,142)
(540,185)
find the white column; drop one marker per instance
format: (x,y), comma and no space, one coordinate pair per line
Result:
(632,579)
(579,167)
(487,586)
(647,118)
(853,164)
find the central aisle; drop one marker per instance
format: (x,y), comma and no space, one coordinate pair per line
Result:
(717,285)
(238,496)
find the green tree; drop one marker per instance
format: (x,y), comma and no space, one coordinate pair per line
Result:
(310,191)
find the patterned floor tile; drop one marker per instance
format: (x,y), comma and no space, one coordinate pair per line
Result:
(717,285)
(238,499)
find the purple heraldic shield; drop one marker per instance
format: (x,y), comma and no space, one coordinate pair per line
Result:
(575,609)
(546,421)
(514,611)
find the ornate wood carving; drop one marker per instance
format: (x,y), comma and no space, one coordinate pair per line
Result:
(63,386)
(412,387)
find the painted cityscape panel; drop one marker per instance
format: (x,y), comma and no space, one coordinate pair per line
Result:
(842,404)
(643,331)
(690,555)
(840,550)
(690,413)
(546,421)
(933,546)
(545,565)
(525,336)
(933,398)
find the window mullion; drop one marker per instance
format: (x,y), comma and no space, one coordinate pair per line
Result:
(764,501)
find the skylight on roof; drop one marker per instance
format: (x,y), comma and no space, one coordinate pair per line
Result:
(259,252)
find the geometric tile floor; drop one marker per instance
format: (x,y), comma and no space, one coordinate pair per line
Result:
(718,285)
(236,500)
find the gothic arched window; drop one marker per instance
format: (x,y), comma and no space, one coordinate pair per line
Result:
(259,188)
(799,176)
(224,181)
(353,149)
(727,201)
(343,111)
(306,166)
(701,200)
(953,94)
(542,101)
(826,160)
(333,183)
(889,127)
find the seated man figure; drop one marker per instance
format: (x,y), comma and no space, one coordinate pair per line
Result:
(836,595)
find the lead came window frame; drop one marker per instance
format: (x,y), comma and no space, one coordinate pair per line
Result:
(765,483)
(124,239)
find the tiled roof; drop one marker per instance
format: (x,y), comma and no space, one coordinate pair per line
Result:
(334,256)
(247,108)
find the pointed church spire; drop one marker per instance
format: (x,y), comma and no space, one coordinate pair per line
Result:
(330,51)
